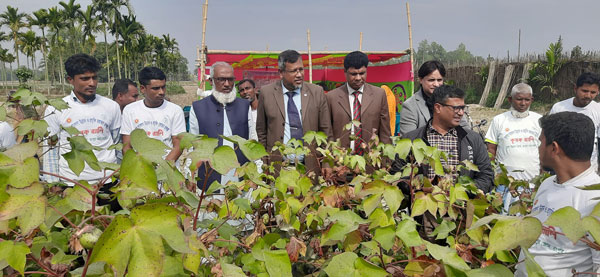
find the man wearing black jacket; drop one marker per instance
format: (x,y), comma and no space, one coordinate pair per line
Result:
(444,132)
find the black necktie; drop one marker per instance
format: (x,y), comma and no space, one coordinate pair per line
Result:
(294,117)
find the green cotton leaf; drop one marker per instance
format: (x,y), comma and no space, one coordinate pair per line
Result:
(173,266)
(418,149)
(135,243)
(446,255)
(232,270)
(453,272)
(423,202)
(71,130)
(342,265)
(278,263)
(224,159)
(285,179)
(152,149)
(393,197)
(470,166)
(371,203)
(380,218)
(358,161)
(187,140)
(375,187)
(458,192)
(192,261)
(590,187)
(385,236)
(39,128)
(592,225)
(174,179)
(81,150)
(532,267)
(407,232)
(22,151)
(61,258)
(76,198)
(510,233)
(364,268)
(2,113)
(138,177)
(337,233)
(19,174)
(253,150)
(443,229)
(203,151)
(58,104)
(318,137)
(569,221)
(27,205)
(403,147)
(14,253)
(437,166)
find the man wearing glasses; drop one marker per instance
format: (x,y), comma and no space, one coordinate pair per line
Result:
(290,108)
(444,132)
(221,114)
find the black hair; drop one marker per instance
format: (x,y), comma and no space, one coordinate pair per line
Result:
(247,80)
(287,56)
(151,73)
(443,92)
(80,64)
(430,66)
(121,86)
(573,132)
(588,78)
(356,60)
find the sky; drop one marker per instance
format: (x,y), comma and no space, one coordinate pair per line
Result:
(488,27)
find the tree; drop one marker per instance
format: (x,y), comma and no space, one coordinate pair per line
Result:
(71,12)
(129,30)
(40,19)
(56,24)
(115,16)
(30,43)
(13,19)
(90,24)
(577,53)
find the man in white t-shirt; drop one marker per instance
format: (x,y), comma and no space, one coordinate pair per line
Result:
(96,117)
(7,136)
(566,144)
(513,139)
(248,91)
(160,118)
(586,90)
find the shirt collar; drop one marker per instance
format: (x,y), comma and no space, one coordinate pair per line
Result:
(76,100)
(285,90)
(351,90)
(430,129)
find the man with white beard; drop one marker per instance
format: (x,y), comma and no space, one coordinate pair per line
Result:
(221,113)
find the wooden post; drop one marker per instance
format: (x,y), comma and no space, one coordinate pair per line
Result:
(488,84)
(412,66)
(309,57)
(519,49)
(203,47)
(505,83)
(360,42)
(525,74)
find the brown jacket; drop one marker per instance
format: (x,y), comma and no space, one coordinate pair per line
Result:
(270,118)
(375,117)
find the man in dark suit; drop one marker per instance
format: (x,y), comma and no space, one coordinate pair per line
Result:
(291,107)
(357,100)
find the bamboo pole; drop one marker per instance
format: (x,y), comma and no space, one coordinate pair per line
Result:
(411,50)
(309,57)
(203,47)
(246,52)
(360,42)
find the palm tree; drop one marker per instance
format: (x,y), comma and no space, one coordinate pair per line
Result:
(115,19)
(90,25)
(171,46)
(71,13)
(40,19)
(104,8)
(30,43)
(9,58)
(130,30)
(56,24)
(14,21)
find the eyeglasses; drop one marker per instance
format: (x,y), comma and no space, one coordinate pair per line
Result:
(296,71)
(456,108)
(223,79)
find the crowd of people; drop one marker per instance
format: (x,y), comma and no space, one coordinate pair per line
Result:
(526,143)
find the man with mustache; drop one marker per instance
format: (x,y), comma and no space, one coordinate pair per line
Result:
(289,108)
(586,90)
(160,118)
(221,114)
(97,118)
(248,91)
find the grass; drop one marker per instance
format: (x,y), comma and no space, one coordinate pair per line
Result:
(174,88)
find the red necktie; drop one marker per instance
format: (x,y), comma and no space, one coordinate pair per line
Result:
(357,130)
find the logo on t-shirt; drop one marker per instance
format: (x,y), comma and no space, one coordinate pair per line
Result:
(506,129)
(136,120)
(69,120)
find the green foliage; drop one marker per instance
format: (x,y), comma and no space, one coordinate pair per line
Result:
(357,222)
(542,74)
(23,74)
(174,88)
(433,51)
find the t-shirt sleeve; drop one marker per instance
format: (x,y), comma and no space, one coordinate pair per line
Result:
(126,125)
(492,133)
(178,121)
(51,117)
